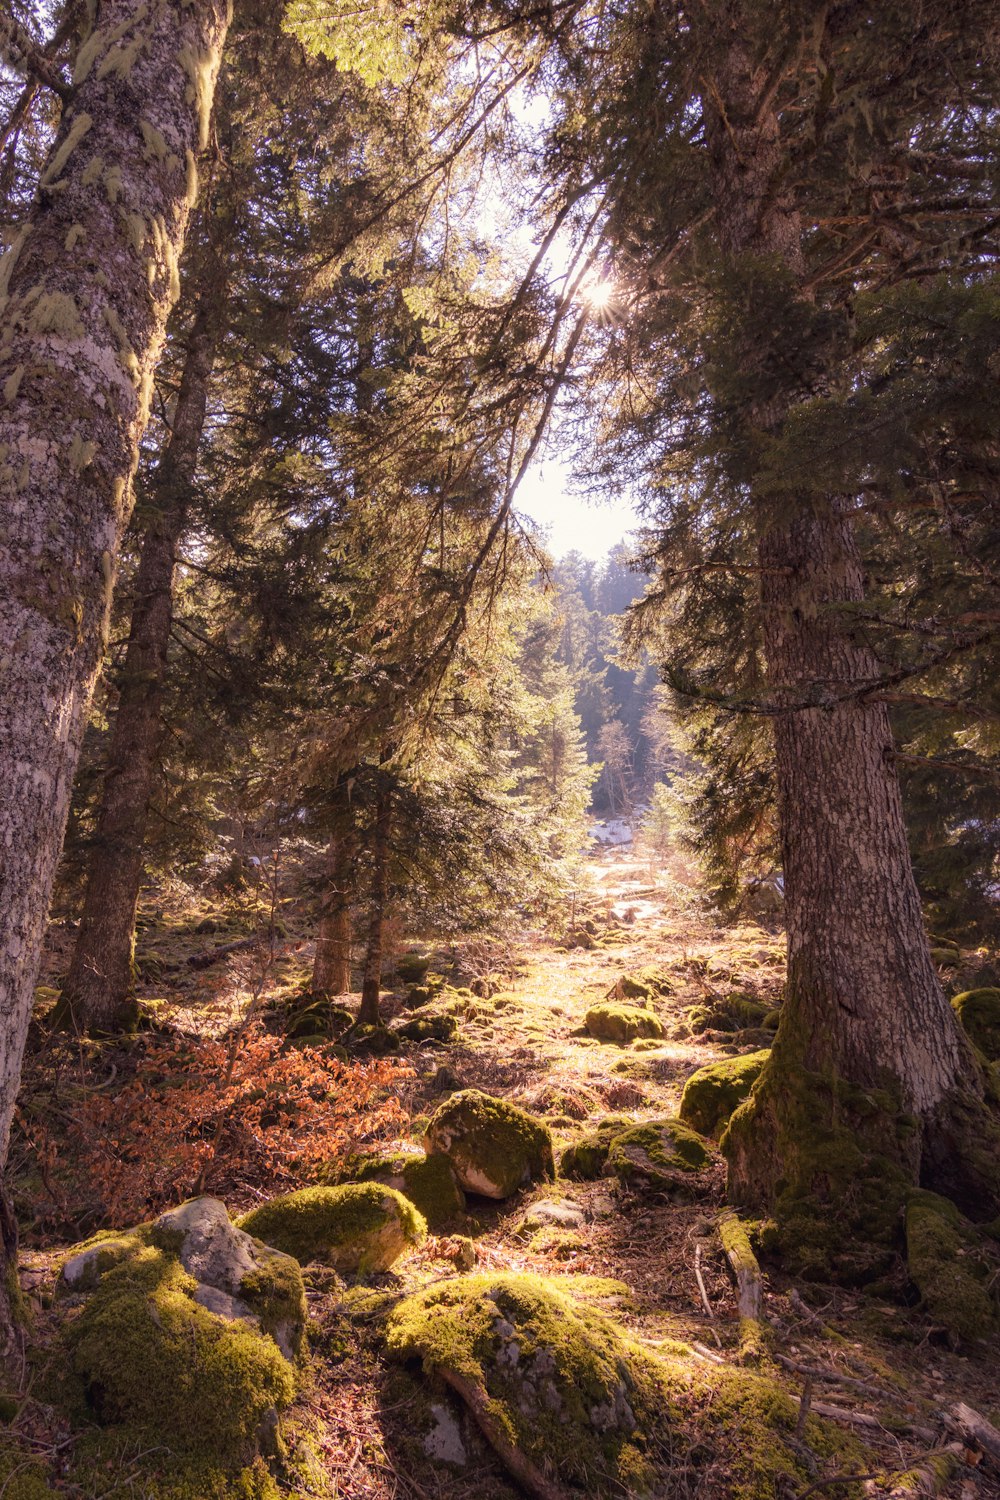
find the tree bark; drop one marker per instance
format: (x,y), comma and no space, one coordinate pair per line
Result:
(332,964)
(85,291)
(869,1061)
(98,995)
(368,1014)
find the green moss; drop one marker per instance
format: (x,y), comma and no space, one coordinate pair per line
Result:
(493,1146)
(979,1013)
(644,984)
(586,1158)
(429,1028)
(948,1260)
(276,1295)
(658,1156)
(609,1022)
(711,1094)
(831,1163)
(427,1181)
(22,1476)
(371,1041)
(148,1357)
(564,1385)
(412,967)
(360,1227)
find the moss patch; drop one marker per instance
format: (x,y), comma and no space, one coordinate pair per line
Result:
(148,1357)
(361,1227)
(979,1013)
(429,1028)
(831,1163)
(661,1156)
(957,1276)
(561,1383)
(711,1094)
(427,1181)
(610,1022)
(494,1147)
(585,1160)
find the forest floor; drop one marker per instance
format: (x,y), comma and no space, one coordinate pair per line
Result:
(877,1359)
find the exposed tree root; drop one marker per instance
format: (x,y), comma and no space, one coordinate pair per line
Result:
(517,1463)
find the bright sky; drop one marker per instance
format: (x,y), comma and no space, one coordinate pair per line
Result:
(572,523)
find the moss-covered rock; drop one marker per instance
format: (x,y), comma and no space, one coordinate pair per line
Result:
(308,1015)
(979,1013)
(149,1357)
(586,1158)
(371,1041)
(429,1182)
(956,1273)
(571,1099)
(235,1276)
(644,984)
(612,1022)
(429,1028)
(660,1156)
(358,1228)
(494,1147)
(711,1094)
(558,1382)
(412,967)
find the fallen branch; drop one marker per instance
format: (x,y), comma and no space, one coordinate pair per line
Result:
(973,1429)
(706,1304)
(749,1285)
(854,1418)
(514,1460)
(834,1377)
(215,955)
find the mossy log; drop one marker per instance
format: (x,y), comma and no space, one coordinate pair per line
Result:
(749,1285)
(927,1477)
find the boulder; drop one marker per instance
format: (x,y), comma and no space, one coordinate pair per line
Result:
(194,1359)
(233,1275)
(429,1028)
(711,1094)
(662,1157)
(357,1229)
(429,1182)
(370,1041)
(979,1013)
(587,1157)
(553,1385)
(494,1147)
(612,1022)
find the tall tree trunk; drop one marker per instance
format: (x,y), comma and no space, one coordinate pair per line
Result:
(85,291)
(332,964)
(369,1014)
(870,1084)
(98,993)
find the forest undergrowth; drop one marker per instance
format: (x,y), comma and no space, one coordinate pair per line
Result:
(211,1096)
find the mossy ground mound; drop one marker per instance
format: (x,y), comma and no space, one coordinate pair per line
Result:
(429,1028)
(643,984)
(571,1099)
(979,1013)
(954,1268)
(494,1147)
(149,1358)
(560,1383)
(596,1413)
(586,1158)
(371,1041)
(832,1163)
(358,1228)
(660,1156)
(711,1094)
(615,1022)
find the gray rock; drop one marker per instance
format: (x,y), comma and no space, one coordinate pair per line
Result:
(562,1214)
(444,1441)
(208,1244)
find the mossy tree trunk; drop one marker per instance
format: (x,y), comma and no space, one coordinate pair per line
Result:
(891,1080)
(368,1014)
(332,964)
(98,996)
(85,291)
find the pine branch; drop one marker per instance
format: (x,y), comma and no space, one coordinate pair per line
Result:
(19,51)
